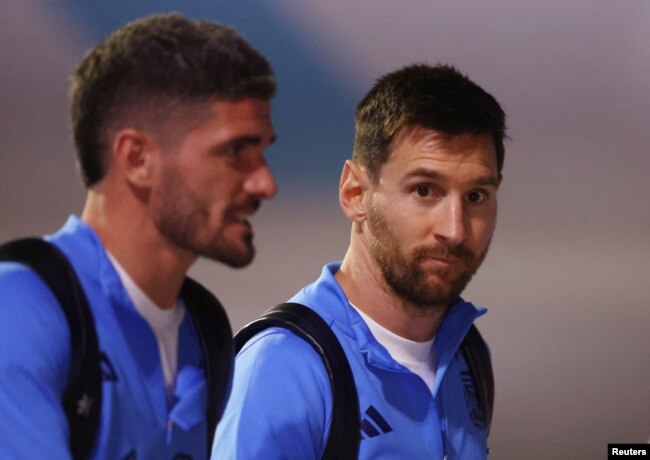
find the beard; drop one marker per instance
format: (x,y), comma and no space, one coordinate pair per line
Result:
(405,276)
(184,219)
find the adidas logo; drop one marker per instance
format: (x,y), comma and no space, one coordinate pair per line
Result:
(373,424)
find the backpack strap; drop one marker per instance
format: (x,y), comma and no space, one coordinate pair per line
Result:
(343,439)
(82,396)
(477,357)
(215,336)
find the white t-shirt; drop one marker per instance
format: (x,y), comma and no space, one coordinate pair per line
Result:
(163,322)
(418,357)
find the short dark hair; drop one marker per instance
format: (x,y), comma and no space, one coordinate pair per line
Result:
(436,97)
(148,68)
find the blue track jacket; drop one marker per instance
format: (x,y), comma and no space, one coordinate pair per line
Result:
(280,405)
(35,357)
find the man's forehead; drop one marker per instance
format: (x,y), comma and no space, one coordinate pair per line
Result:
(414,134)
(421,151)
(421,139)
(194,113)
(241,108)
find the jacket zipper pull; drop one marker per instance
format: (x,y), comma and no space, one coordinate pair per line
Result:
(170,427)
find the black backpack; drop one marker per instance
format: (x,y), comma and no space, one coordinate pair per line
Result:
(83,392)
(344,436)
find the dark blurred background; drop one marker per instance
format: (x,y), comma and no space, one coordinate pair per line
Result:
(567,278)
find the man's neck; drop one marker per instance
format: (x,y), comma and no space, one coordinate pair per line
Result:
(362,281)
(154,264)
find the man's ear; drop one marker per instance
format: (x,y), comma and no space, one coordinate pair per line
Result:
(353,187)
(135,154)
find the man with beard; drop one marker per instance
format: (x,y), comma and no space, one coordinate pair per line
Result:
(420,191)
(170,118)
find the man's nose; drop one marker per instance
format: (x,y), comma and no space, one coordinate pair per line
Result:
(450,228)
(261,183)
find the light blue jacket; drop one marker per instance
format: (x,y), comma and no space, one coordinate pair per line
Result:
(35,357)
(280,405)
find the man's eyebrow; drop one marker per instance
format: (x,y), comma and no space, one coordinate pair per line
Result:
(253,140)
(423,172)
(488,179)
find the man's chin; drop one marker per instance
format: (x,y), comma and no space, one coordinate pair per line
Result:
(237,259)
(237,263)
(436,289)
(235,255)
(433,297)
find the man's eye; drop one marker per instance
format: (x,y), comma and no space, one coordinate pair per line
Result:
(234,150)
(423,190)
(476,196)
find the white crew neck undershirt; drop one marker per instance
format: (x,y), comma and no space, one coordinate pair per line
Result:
(164,323)
(418,357)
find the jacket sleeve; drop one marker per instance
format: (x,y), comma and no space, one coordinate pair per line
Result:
(34,364)
(280,405)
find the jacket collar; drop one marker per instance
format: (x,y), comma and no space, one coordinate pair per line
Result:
(85,251)
(327,298)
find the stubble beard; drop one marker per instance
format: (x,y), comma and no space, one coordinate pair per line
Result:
(404,275)
(181,217)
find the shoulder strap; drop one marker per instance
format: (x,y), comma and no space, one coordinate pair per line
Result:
(343,439)
(82,394)
(215,336)
(477,357)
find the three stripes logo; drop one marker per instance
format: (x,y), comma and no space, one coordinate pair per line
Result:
(373,424)
(471,399)
(108,371)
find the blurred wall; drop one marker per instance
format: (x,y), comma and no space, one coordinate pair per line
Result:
(566,279)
